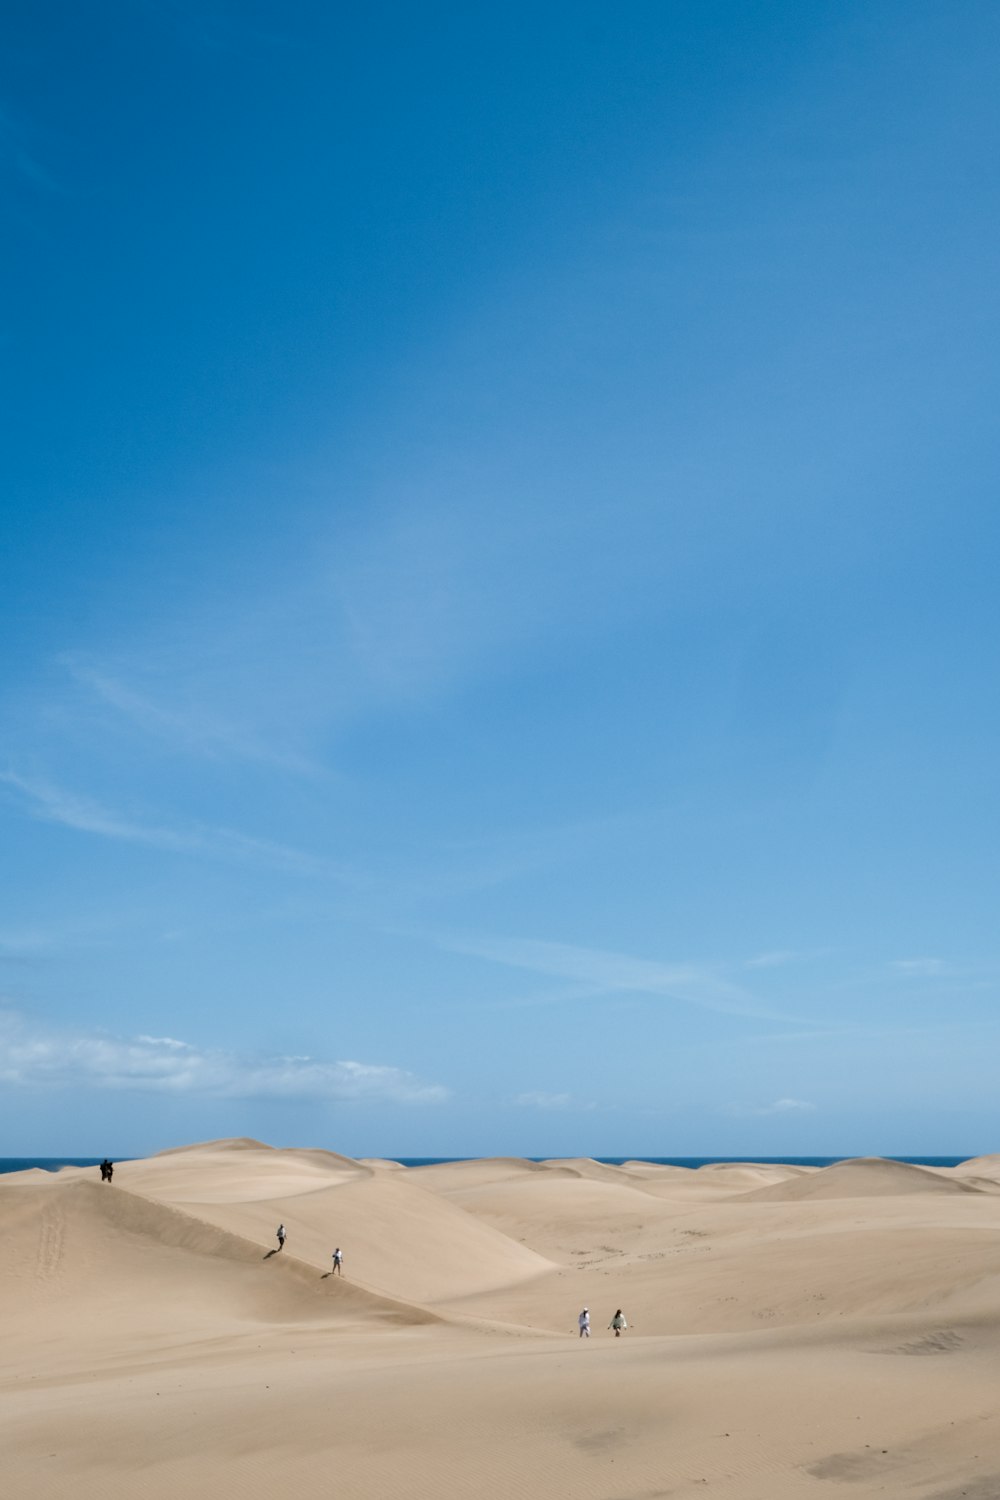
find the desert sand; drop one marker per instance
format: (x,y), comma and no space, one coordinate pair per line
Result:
(793,1332)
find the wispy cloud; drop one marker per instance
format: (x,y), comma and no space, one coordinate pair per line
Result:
(773,960)
(54,804)
(919,968)
(192,730)
(693,984)
(25,943)
(34,1056)
(540,1100)
(784,1107)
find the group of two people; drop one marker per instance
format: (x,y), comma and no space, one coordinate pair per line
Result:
(618,1323)
(338,1258)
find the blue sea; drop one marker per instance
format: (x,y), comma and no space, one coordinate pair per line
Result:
(705,1161)
(47,1163)
(53,1163)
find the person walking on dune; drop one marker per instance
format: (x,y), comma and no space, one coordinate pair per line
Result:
(338,1263)
(107,1170)
(618,1323)
(584,1322)
(281,1236)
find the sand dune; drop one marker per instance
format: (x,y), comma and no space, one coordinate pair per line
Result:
(794,1332)
(985,1168)
(399,1239)
(866,1177)
(442,1176)
(237,1172)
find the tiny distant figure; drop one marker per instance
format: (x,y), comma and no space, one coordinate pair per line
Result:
(584,1322)
(338,1262)
(618,1323)
(281,1236)
(107,1170)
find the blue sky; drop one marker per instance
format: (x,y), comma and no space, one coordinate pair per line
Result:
(499,587)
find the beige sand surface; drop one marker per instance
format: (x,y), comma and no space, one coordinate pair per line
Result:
(795,1332)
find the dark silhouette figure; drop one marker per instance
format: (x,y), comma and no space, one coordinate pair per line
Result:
(107,1170)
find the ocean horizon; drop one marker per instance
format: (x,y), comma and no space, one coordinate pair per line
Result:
(56,1163)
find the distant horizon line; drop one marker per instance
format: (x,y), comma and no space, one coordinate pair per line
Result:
(810,1159)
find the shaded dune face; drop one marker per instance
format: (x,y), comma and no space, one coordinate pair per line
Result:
(109,1265)
(399,1239)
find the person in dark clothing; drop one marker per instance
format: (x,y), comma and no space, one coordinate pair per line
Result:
(107,1168)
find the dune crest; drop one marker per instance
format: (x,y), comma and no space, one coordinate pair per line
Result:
(225,1143)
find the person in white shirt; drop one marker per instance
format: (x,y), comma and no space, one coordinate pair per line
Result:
(618,1323)
(584,1322)
(281,1236)
(338,1262)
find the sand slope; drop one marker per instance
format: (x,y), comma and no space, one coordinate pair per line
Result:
(794,1333)
(399,1239)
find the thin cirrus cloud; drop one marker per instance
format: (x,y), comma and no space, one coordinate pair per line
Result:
(24,943)
(785,1107)
(53,804)
(617,973)
(775,959)
(539,1100)
(34,1057)
(919,968)
(194,732)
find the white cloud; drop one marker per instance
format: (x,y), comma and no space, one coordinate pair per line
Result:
(53,804)
(538,1100)
(39,1057)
